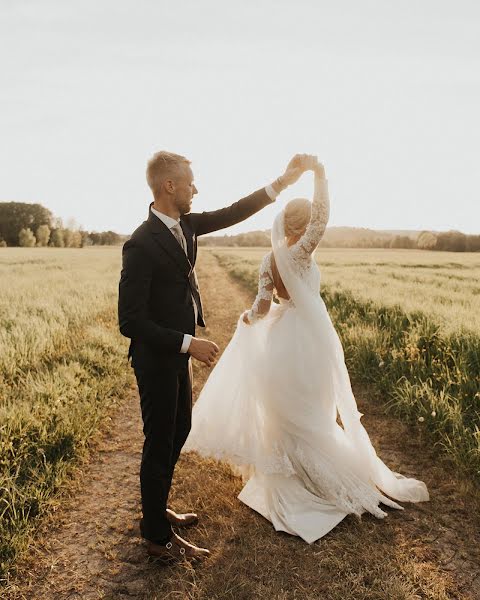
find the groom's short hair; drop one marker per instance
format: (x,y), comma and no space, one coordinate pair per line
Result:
(162,165)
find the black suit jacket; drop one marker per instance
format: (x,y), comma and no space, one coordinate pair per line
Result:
(157,281)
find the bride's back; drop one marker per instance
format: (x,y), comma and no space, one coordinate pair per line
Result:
(277,280)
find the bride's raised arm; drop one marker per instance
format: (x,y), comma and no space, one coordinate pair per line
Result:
(263,301)
(309,241)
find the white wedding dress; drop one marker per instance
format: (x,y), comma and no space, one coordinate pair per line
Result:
(270,405)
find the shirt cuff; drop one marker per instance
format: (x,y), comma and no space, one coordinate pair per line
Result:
(271,192)
(187,338)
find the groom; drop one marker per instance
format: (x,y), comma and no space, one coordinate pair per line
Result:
(159,305)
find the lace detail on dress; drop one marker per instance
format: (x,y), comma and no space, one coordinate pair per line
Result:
(333,484)
(263,301)
(342,488)
(302,250)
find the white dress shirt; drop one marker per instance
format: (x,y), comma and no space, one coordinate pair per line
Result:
(271,192)
(171,223)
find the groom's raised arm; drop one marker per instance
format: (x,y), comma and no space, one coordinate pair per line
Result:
(207,222)
(214,220)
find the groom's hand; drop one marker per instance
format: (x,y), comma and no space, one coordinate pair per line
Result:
(203,350)
(295,168)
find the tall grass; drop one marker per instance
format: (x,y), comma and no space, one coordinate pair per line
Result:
(62,366)
(419,353)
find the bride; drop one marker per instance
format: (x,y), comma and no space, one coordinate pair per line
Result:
(279,407)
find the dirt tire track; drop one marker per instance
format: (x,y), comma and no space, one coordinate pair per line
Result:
(90,547)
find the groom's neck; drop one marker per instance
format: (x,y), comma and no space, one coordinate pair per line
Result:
(166,206)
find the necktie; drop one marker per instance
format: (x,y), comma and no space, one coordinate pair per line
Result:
(178,233)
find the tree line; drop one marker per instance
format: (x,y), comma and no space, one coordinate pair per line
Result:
(33,225)
(349,237)
(29,225)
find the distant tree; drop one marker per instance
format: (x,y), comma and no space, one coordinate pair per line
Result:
(427,241)
(402,241)
(473,243)
(86,239)
(383,243)
(76,240)
(15,216)
(43,235)
(110,238)
(96,238)
(72,239)
(68,238)
(455,241)
(26,239)
(57,239)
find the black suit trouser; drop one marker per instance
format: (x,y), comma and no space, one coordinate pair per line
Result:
(166,403)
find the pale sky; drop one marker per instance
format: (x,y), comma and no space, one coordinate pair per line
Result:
(385,92)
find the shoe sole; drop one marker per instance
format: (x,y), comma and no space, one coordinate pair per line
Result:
(170,560)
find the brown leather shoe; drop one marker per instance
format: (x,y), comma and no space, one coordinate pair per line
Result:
(176,549)
(181,520)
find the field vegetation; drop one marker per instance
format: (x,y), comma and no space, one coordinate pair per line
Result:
(409,323)
(62,367)
(410,326)
(90,546)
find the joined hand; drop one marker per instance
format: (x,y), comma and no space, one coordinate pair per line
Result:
(296,167)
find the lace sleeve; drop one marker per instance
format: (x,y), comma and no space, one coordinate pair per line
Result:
(306,245)
(263,301)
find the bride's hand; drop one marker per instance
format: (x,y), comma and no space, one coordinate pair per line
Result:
(245,317)
(295,168)
(311,164)
(299,164)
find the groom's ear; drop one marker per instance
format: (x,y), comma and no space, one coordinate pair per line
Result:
(169,185)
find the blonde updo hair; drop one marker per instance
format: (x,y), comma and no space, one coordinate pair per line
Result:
(297,216)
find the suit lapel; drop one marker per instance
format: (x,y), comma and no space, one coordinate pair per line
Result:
(164,238)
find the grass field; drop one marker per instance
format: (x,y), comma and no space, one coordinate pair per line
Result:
(410,324)
(62,367)
(90,546)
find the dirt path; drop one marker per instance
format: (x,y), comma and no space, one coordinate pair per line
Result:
(90,548)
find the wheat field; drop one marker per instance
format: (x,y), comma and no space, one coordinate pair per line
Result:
(408,320)
(62,368)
